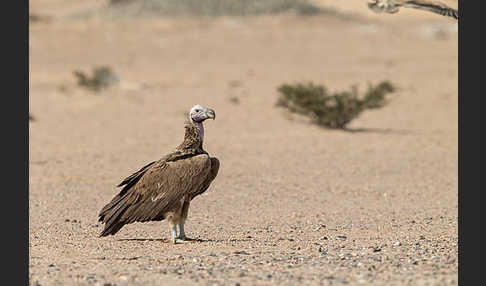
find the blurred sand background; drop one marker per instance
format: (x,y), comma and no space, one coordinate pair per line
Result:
(293,202)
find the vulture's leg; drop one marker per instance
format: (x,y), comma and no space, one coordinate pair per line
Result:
(184,212)
(174,233)
(175,217)
(182,234)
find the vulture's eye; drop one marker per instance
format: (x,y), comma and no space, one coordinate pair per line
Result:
(198,110)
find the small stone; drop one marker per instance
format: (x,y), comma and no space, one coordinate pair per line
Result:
(124,278)
(241,252)
(398,243)
(330,277)
(322,250)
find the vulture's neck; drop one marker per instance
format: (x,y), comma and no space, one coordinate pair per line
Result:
(200,130)
(194,136)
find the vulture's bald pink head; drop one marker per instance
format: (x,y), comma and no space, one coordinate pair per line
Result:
(200,113)
(197,115)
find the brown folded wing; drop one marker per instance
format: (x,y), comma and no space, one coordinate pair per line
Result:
(154,190)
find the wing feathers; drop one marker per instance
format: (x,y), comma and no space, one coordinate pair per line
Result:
(133,178)
(211,176)
(169,182)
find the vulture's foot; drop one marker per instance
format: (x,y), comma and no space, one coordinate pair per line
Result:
(185,238)
(179,240)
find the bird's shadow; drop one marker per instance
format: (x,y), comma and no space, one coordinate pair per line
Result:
(377,130)
(188,240)
(164,240)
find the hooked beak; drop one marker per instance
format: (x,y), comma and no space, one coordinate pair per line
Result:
(210,114)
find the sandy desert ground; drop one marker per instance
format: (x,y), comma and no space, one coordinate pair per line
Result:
(293,202)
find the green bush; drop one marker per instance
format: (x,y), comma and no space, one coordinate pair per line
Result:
(334,110)
(102,77)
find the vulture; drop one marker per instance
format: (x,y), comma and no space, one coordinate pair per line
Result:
(164,189)
(392,6)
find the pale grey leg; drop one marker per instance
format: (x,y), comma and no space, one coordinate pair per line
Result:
(184,212)
(174,233)
(182,234)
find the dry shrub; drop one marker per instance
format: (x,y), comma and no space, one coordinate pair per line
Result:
(218,7)
(102,77)
(334,110)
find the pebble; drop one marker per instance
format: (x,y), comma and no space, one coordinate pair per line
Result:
(398,243)
(241,252)
(322,251)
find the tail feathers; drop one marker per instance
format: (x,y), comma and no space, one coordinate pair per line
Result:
(113,203)
(111,229)
(112,214)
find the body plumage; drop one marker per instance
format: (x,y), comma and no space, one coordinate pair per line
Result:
(163,189)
